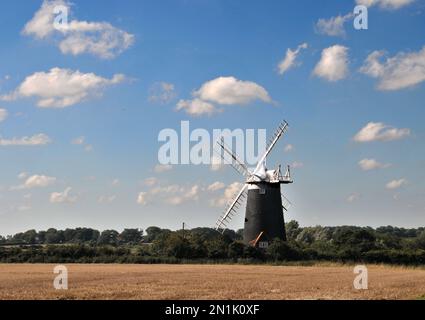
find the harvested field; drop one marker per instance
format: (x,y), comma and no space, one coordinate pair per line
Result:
(209,282)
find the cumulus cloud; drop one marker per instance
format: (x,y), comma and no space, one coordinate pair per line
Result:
(334,26)
(171,194)
(290,60)
(35,140)
(162,93)
(372,164)
(106,199)
(100,39)
(229,193)
(88,148)
(288,148)
(36,181)
(378,131)
(115,182)
(216,186)
(353,197)
(61,88)
(333,65)
(150,182)
(231,91)
(402,71)
(197,107)
(78,141)
(3,114)
(385,4)
(191,194)
(297,165)
(396,184)
(160,168)
(141,198)
(224,91)
(63,197)
(22,175)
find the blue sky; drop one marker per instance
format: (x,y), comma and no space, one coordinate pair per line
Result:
(92,130)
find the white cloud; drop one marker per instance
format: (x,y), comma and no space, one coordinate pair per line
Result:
(36,181)
(334,26)
(229,193)
(141,198)
(162,93)
(79,141)
(223,91)
(78,37)
(36,140)
(296,165)
(385,4)
(22,175)
(160,168)
(216,186)
(372,164)
(3,114)
(187,195)
(402,71)
(61,88)
(231,91)
(192,193)
(172,194)
(115,182)
(106,199)
(150,182)
(353,197)
(288,148)
(88,148)
(396,184)
(290,59)
(63,197)
(333,65)
(171,189)
(378,131)
(197,107)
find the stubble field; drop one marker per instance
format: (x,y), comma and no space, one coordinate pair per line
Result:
(221,282)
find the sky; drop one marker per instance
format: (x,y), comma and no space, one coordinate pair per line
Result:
(82,104)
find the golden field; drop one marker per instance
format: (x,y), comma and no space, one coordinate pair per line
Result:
(24,281)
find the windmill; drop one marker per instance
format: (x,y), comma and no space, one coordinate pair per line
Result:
(265,204)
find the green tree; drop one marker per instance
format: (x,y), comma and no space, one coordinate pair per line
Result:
(30,237)
(281,251)
(131,236)
(292,229)
(216,248)
(152,233)
(54,236)
(236,250)
(108,237)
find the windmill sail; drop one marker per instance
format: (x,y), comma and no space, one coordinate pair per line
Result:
(286,204)
(231,209)
(238,165)
(283,127)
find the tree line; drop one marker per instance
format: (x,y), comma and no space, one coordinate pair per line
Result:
(155,245)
